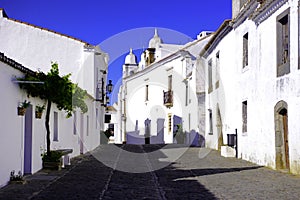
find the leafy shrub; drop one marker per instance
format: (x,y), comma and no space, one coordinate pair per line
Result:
(54,156)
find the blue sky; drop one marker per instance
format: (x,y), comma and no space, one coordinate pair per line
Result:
(96,21)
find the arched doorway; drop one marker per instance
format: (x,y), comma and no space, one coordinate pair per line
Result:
(281,135)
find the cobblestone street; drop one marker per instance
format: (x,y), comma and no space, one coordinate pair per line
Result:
(198,174)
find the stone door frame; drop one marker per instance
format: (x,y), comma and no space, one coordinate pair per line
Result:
(281,135)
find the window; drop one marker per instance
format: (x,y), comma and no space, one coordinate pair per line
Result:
(107,118)
(283,44)
(210,122)
(97,115)
(87,125)
(245,50)
(170,82)
(186,93)
(210,87)
(244,116)
(147,93)
(75,123)
(55,127)
(217,69)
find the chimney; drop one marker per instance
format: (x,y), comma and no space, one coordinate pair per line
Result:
(2,13)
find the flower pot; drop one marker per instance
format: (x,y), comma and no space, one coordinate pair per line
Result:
(38,115)
(21,111)
(52,165)
(21,182)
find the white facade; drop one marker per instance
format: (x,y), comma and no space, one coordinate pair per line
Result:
(252,96)
(36,48)
(141,99)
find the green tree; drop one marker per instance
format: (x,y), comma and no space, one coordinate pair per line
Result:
(55,89)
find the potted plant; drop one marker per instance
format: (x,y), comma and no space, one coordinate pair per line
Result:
(52,160)
(16,178)
(22,107)
(39,111)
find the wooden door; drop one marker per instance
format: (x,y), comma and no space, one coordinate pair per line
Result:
(286,142)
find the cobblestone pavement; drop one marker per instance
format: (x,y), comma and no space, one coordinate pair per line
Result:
(198,174)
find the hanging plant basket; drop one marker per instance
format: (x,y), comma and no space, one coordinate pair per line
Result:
(39,111)
(22,107)
(38,114)
(21,111)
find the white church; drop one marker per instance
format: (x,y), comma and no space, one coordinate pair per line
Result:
(159,94)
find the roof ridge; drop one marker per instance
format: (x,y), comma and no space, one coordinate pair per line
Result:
(15,64)
(46,29)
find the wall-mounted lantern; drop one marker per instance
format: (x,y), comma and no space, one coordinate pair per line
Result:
(104,99)
(109,87)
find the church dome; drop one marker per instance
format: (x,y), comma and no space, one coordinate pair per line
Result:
(130,59)
(155,41)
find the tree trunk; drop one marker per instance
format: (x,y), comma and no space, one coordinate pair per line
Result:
(47,126)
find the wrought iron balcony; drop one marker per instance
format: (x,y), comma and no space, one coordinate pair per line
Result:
(168,98)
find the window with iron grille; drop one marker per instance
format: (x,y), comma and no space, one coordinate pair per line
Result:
(217,69)
(210,86)
(147,93)
(245,50)
(244,116)
(210,122)
(283,43)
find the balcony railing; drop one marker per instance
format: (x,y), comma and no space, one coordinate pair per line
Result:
(168,98)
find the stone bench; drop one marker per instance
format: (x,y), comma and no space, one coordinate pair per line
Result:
(65,158)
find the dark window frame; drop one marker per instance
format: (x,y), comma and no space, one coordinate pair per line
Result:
(217,70)
(210,115)
(147,93)
(55,126)
(283,43)
(245,50)
(209,73)
(245,116)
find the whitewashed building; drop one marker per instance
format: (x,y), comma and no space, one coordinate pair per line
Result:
(159,92)
(35,48)
(253,76)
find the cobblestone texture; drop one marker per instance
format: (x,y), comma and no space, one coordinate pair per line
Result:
(199,174)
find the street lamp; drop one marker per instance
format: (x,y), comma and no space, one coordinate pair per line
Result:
(109,87)
(105,94)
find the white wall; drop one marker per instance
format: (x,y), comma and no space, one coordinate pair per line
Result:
(35,48)
(157,79)
(260,87)
(12,125)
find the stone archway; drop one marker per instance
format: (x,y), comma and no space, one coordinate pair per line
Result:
(281,135)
